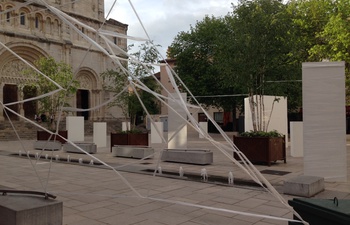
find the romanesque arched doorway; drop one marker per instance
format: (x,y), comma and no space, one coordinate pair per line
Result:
(87,94)
(10,94)
(83,103)
(13,80)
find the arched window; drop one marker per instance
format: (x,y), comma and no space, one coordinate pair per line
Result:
(8,17)
(22,18)
(37,22)
(48,28)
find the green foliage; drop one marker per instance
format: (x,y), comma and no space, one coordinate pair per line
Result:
(247,52)
(117,81)
(59,72)
(203,61)
(251,133)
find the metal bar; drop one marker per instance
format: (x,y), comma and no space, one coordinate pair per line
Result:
(46,195)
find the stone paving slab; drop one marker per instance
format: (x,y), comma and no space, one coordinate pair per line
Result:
(96,195)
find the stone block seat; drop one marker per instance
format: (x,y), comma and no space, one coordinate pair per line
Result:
(305,186)
(190,156)
(48,145)
(132,151)
(89,147)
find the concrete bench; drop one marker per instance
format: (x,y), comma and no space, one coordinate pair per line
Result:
(48,145)
(30,210)
(86,146)
(137,152)
(191,156)
(305,186)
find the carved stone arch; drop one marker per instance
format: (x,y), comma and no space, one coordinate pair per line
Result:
(56,27)
(24,17)
(10,15)
(86,74)
(11,66)
(12,78)
(39,22)
(48,25)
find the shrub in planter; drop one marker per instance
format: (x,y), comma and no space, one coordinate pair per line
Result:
(261,147)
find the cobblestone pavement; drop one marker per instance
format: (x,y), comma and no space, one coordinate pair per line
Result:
(130,194)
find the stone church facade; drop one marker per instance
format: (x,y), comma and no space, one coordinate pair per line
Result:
(31,31)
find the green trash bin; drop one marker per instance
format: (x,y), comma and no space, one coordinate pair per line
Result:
(322,211)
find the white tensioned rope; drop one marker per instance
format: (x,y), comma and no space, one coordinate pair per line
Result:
(251,173)
(182,103)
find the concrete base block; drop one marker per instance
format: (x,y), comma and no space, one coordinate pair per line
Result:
(305,186)
(137,152)
(88,147)
(48,145)
(191,156)
(30,210)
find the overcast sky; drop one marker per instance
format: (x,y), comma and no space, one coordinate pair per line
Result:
(164,19)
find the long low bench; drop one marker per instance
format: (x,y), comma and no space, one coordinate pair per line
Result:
(129,151)
(48,145)
(86,146)
(190,156)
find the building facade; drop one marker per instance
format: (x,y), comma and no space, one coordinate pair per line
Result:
(32,31)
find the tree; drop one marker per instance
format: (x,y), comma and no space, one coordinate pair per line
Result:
(323,31)
(246,52)
(335,36)
(262,48)
(59,72)
(138,71)
(203,62)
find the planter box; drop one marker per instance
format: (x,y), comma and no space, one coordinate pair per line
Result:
(137,152)
(44,136)
(190,156)
(129,139)
(261,149)
(88,147)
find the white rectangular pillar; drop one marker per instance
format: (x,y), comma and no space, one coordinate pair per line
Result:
(100,134)
(177,126)
(125,126)
(324,120)
(155,136)
(204,127)
(296,139)
(75,128)
(275,109)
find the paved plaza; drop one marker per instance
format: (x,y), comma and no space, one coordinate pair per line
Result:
(131,194)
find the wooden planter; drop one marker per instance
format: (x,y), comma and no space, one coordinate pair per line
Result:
(261,149)
(129,139)
(44,136)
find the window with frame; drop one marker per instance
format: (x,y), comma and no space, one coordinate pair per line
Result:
(37,22)
(116,40)
(219,117)
(22,18)
(8,17)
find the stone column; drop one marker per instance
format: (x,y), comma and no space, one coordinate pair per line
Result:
(2,100)
(20,105)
